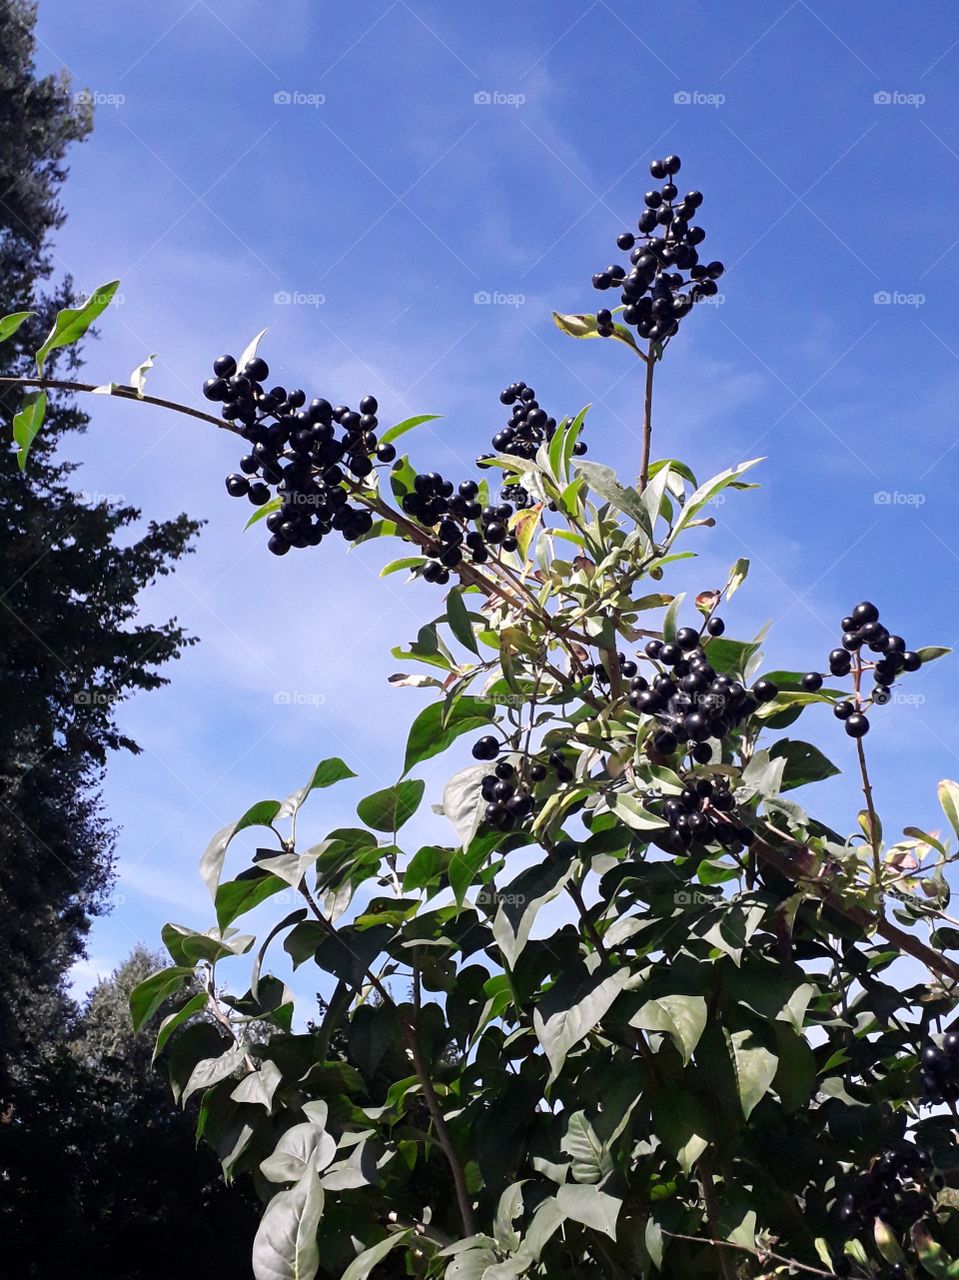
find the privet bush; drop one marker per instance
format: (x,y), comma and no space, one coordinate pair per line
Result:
(733,1057)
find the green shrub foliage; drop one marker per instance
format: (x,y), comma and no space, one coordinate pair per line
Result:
(643,1013)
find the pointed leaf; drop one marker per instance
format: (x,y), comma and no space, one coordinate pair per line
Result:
(73,322)
(285,1246)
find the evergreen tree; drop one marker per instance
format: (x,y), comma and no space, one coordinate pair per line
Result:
(71,574)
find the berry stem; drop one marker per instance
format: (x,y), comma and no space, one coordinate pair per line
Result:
(120,393)
(874,827)
(647,419)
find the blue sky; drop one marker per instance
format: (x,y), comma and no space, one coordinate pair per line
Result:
(353,175)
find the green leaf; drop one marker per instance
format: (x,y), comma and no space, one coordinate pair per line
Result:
(931,652)
(210,1071)
(406,562)
(602,480)
(147,996)
(285,1246)
(463,802)
(429,734)
(174,1020)
(521,900)
(584,326)
(934,1259)
(262,512)
(406,425)
(11,323)
(591,1207)
(389,809)
(260,814)
(363,1264)
(705,492)
(236,897)
(259,1086)
(300,1148)
(681,1017)
(27,422)
(459,620)
(591,1159)
(571,1009)
(73,322)
(326,773)
(753,1065)
(949,799)
(680,1120)
(804,763)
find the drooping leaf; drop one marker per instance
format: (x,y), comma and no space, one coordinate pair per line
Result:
(430,733)
(463,802)
(260,814)
(754,1067)
(590,1206)
(603,481)
(285,1246)
(305,1146)
(11,323)
(147,996)
(571,1009)
(326,773)
(682,1017)
(235,897)
(949,799)
(27,422)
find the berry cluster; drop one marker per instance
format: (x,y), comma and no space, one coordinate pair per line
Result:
(702,814)
(861,630)
(297,449)
(895,1190)
(691,702)
(939,1066)
(508,789)
(667,278)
